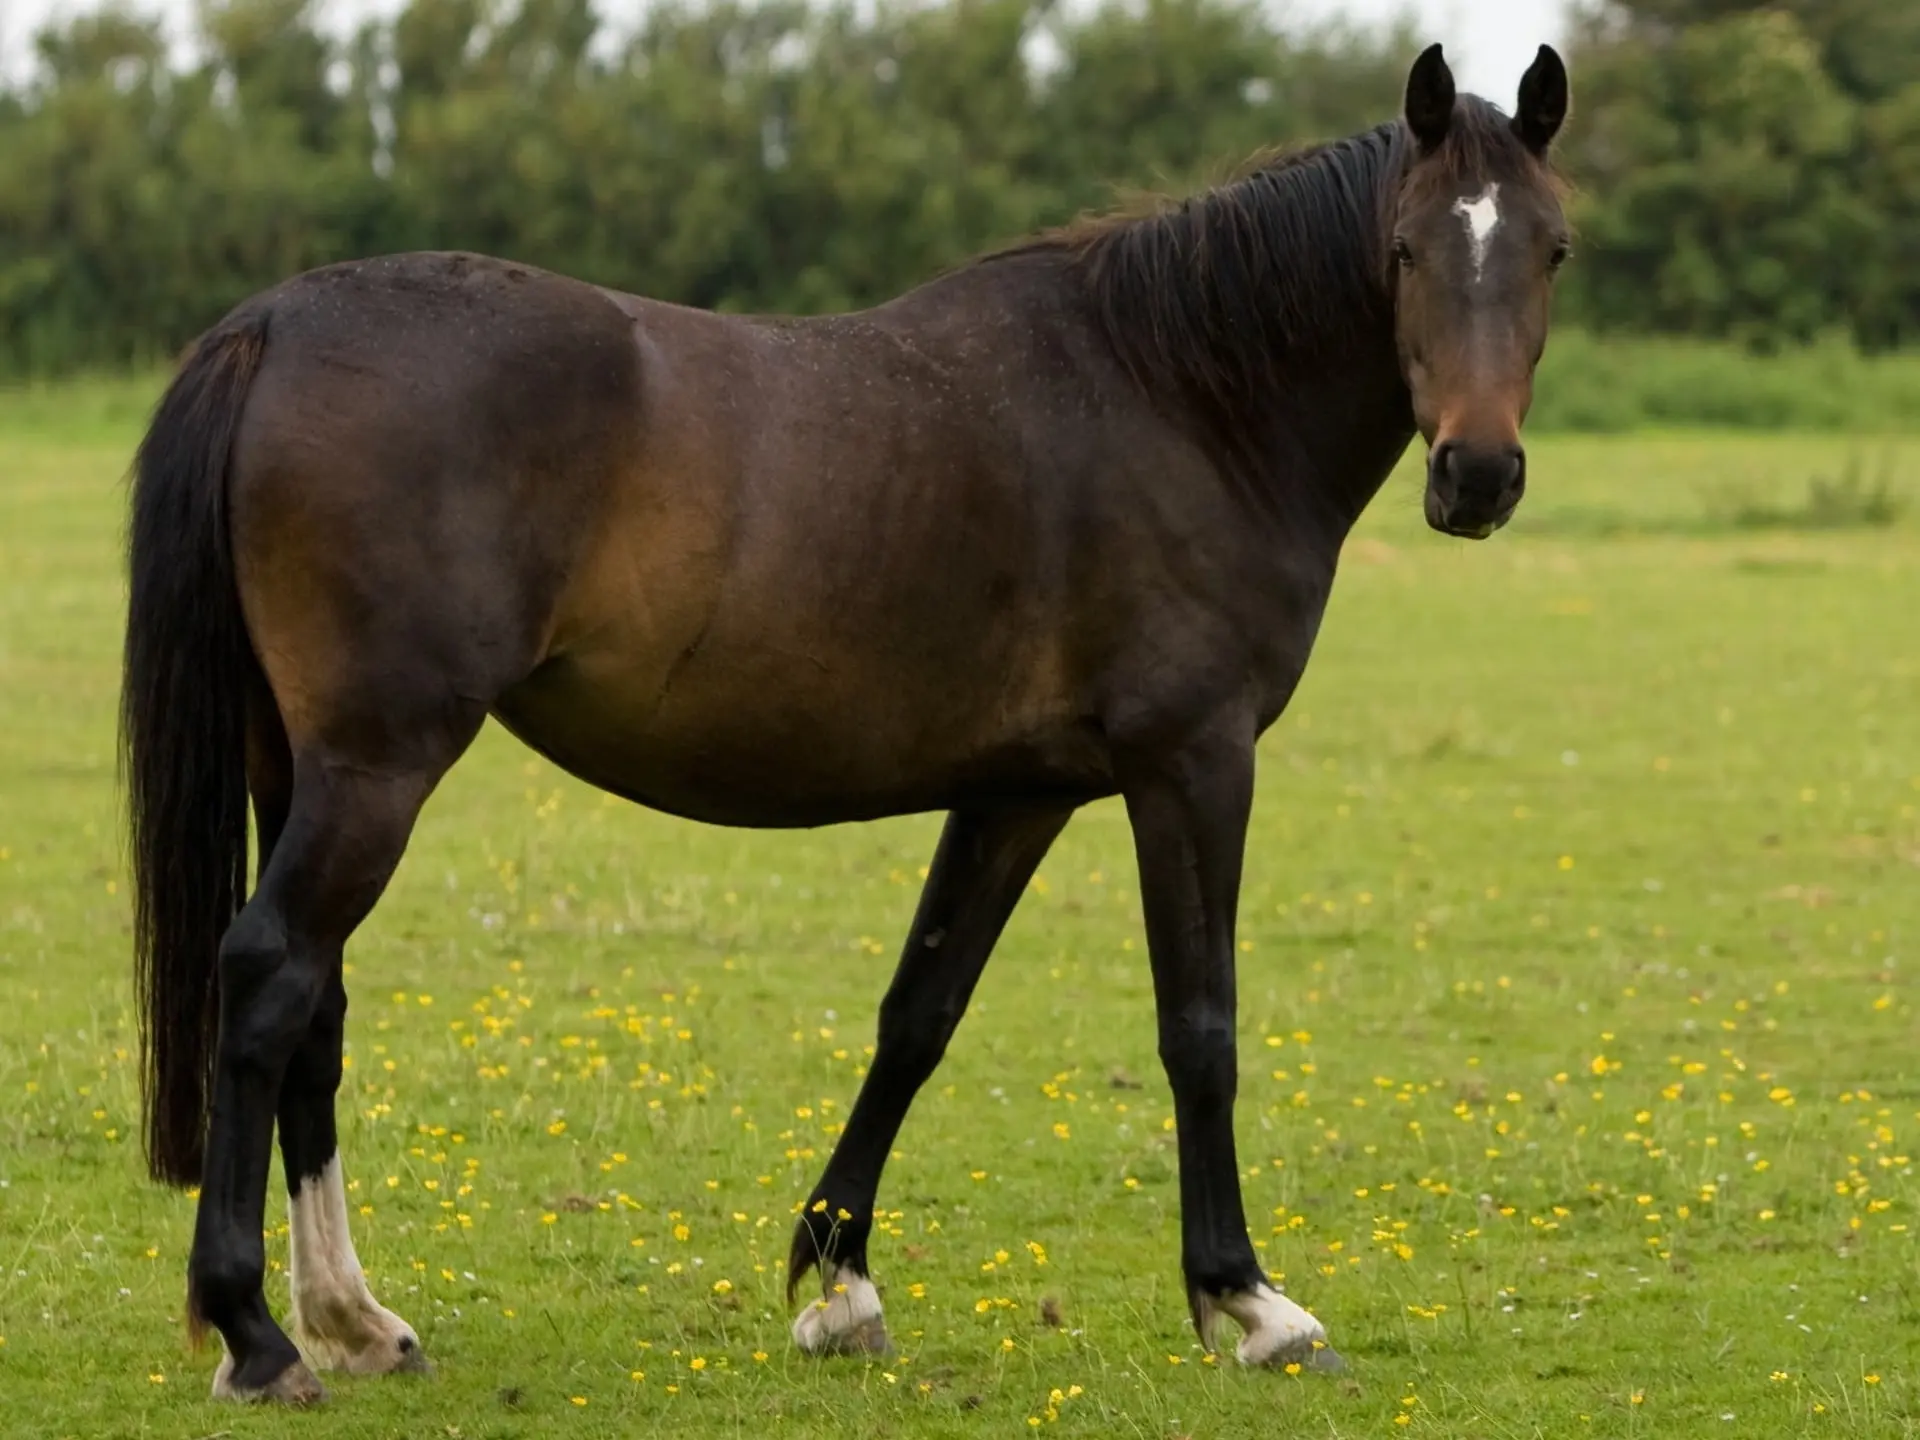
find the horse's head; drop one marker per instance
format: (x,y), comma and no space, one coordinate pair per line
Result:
(1477,236)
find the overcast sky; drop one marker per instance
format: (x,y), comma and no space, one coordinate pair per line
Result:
(1488,41)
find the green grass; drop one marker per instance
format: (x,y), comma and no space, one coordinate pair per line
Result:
(1579,1089)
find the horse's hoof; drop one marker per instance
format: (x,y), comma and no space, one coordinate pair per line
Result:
(1255,1353)
(379,1343)
(296,1385)
(413,1360)
(846,1320)
(1327,1360)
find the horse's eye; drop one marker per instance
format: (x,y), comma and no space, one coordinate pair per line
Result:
(1559,256)
(1402,254)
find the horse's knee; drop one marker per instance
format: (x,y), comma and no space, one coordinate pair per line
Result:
(252,951)
(1197,1049)
(267,997)
(224,1278)
(913,1038)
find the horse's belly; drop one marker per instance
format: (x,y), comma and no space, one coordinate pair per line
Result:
(786,741)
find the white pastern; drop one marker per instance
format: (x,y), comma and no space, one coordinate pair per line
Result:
(1481,216)
(845,1320)
(336,1320)
(1278,1332)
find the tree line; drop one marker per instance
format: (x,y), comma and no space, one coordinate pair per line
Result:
(1742,171)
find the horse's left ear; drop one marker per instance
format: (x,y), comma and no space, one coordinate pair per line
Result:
(1543,101)
(1430,96)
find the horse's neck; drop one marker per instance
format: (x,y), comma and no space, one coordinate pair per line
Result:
(1366,424)
(1339,425)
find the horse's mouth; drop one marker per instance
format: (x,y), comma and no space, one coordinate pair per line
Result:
(1444,518)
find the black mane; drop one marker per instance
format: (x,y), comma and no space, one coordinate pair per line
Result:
(1221,294)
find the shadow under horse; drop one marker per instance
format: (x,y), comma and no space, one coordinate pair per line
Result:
(1056,526)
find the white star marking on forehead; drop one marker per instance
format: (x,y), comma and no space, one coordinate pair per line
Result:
(1482,217)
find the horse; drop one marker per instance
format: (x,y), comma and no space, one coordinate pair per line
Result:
(1058,525)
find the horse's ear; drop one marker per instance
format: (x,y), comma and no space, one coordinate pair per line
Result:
(1430,96)
(1543,101)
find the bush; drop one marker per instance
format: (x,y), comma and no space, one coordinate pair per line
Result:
(1593,384)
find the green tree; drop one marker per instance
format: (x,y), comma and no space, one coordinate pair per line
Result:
(1871,48)
(1742,168)
(1745,169)
(1176,92)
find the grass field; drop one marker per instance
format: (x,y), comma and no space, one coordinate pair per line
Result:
(1580,1083)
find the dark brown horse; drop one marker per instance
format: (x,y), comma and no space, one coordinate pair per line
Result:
(1059,525)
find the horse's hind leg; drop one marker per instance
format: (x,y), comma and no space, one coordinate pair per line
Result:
(280,1007)
(336,1321)
(978,873)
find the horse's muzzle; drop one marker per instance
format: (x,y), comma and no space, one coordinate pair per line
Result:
(1473,490)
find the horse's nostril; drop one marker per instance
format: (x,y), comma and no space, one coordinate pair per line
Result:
(408,1344)
(1479,475)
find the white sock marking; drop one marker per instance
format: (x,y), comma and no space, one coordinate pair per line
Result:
(336,1320)
(1482,218)
(845,1320)
(1277,1330)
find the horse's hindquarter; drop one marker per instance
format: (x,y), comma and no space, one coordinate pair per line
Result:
(832,584)
(427,446)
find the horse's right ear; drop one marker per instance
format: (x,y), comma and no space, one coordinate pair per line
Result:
(1543,101)
(1430,95)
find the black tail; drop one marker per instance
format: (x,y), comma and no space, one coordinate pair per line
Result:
(187,673)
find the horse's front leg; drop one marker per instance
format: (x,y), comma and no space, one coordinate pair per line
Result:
(983,864)
(1189,808)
